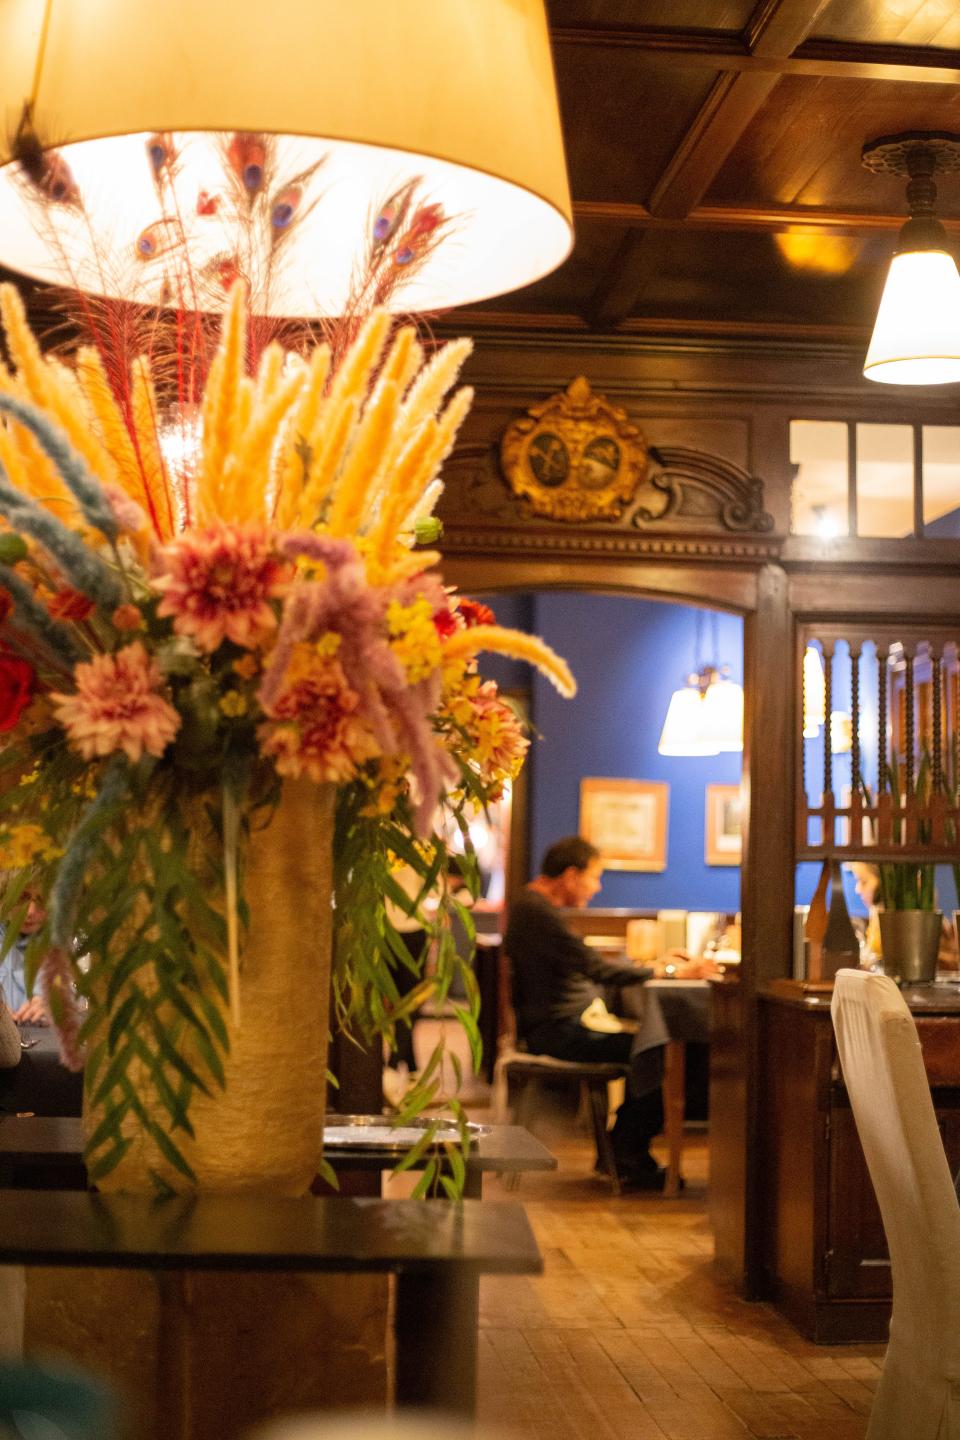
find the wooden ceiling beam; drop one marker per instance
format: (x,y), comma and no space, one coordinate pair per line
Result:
(817,59)
(640,256)
(775,219)
(778,26)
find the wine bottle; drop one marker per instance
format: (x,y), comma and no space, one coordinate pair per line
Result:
(841,948)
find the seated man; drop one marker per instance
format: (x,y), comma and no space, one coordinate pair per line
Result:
(556,977)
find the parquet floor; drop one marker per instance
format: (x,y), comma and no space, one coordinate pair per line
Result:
(629,1336)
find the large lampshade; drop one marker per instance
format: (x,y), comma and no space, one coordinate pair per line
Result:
(288,140)
(916,338)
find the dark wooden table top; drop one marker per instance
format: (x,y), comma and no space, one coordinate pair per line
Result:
(40,1084)
(504,1148)
(940,998)
(242,1232)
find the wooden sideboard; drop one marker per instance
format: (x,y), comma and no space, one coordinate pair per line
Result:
(824,1255)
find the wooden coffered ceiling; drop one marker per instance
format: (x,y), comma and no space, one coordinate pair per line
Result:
(714,157)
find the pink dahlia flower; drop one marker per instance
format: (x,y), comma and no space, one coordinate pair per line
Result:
(217,585)
(117,706)
(316,730)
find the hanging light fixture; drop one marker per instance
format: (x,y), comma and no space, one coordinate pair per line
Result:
(723,714)
(705,716)
(300,146)
(916,336)
(683,732)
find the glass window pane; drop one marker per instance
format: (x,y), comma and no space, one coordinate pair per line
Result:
(941,481)
(818,454)
(885,480)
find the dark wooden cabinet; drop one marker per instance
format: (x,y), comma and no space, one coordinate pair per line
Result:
(824,1255)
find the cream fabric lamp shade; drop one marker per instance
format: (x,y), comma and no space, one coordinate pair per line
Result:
(683,732)
(722,725)
(916,337)
(360,97)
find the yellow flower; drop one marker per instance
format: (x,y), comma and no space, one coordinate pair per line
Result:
(31,777)
(233,704)
(21,844)
(246,666)
(413,638)
(327,645)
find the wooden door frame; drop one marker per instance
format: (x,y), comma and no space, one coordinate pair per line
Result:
(760,595)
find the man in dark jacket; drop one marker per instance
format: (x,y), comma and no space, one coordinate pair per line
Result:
(556,977)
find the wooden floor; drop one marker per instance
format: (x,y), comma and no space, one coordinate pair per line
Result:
(628,1334)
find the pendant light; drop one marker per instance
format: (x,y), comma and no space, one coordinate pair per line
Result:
(916,336)
(199,140)
(705,716)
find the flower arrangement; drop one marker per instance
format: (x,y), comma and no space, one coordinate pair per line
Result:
(178,639)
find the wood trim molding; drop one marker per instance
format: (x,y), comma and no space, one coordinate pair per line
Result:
(527,540)
(816,58)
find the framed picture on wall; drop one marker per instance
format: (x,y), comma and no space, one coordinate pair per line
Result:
(724,842)
(627,821)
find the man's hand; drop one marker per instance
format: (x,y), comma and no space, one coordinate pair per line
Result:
(678,965)
(32,1012)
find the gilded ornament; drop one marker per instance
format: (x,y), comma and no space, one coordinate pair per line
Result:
(574,457)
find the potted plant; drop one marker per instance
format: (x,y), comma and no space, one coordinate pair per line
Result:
(910,922)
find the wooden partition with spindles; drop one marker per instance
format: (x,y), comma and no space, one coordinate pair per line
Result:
(910,809)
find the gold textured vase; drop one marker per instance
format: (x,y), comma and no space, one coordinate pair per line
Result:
(263,1132)
(194,1354)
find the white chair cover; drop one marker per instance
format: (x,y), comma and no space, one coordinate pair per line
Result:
(918,1397)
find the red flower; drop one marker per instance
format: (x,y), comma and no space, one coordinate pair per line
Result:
(70,605)
(6,605)
(17,678)
(472,612)
(445,622)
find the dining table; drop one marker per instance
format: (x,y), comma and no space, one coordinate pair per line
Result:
(685,1007)
(41,1084)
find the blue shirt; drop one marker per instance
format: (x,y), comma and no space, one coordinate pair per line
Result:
(12,978)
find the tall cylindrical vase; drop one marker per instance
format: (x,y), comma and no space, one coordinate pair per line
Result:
(202,1353)
(263,1132)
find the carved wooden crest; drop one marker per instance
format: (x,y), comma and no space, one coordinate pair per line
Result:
(574,457)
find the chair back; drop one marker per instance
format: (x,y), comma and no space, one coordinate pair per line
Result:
(889,1093)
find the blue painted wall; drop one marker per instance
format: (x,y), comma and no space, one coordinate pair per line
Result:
(628,656)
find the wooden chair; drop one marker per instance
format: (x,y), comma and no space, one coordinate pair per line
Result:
(518,1068)
(919,1391)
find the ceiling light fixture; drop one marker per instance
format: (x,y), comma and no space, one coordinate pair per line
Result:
(705,716)
(916,336)
(298,146)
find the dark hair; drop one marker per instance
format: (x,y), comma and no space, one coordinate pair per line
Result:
(571,850)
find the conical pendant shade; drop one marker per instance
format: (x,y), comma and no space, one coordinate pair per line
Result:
(722,724)
(916,338)
(682,732)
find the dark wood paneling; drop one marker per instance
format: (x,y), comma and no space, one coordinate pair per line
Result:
(905,22)
(699,15)
(804,145)
(623,117)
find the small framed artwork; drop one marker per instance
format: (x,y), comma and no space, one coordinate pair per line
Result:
(724,840)
(627,821)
